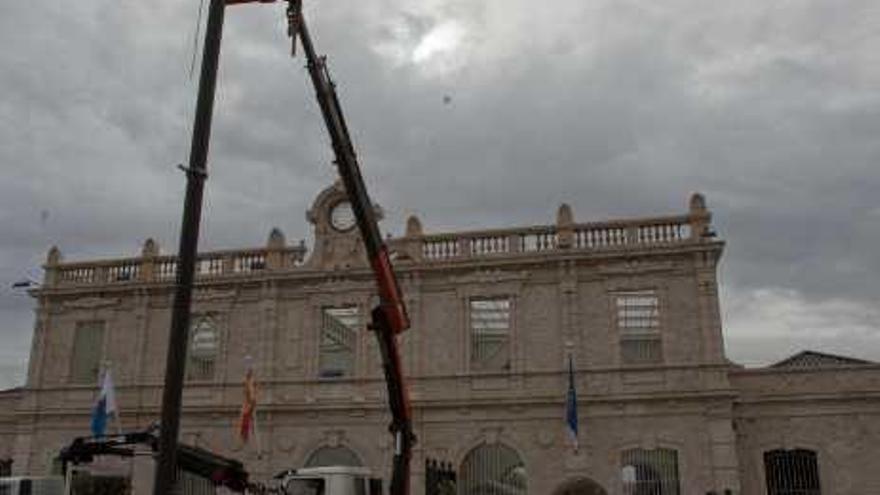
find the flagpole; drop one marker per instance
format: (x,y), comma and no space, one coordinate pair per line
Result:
(248,422)
(257,434)
(571,415)
(68,479)
(108,366)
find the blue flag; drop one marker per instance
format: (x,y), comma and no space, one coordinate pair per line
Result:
(104,406)
(571,407)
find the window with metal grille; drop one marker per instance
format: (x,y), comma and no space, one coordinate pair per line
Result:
(490,333)
(88,341)
(338,341)
(638,323)
(792,472)
(491,469)
(650,472)
(204,347)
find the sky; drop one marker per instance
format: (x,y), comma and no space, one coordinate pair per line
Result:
(469,115)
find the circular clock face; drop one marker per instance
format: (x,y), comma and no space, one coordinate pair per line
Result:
(342,216)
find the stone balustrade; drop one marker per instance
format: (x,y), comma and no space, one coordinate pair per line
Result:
(593,236)
(414,246)
(639,233)
(152,267)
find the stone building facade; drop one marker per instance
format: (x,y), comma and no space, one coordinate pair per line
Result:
(497,315)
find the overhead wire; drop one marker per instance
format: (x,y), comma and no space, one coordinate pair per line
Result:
(188,110)
(195,47)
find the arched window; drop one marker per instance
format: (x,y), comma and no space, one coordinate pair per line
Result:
(792,472)
(333,456)
(204,347)
(492,470)
(650,472)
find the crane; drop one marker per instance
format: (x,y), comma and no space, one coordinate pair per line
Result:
(388,319)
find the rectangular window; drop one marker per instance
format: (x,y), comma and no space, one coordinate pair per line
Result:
(638,324)
(338,341)
(87,349)
(204,347)
(490,334)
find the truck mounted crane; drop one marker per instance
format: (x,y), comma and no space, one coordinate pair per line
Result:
(388,319)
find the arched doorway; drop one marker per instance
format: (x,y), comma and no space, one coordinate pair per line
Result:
(580,486)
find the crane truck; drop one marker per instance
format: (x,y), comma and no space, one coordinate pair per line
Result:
(388,319)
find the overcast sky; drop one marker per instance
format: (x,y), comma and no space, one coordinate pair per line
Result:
(470,114)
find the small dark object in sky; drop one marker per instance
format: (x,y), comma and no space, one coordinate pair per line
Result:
(23,284)
(447,99)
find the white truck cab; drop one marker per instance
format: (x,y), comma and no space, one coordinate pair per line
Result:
(330,480)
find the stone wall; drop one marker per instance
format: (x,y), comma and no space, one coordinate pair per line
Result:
(9,400)
(833,411)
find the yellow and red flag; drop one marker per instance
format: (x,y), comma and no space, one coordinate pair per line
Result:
(248,406)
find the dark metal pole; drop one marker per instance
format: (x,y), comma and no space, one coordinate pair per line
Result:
(166,470)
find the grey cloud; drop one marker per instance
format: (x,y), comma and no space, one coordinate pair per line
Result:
(616,108)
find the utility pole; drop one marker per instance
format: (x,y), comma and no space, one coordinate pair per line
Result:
(175,367)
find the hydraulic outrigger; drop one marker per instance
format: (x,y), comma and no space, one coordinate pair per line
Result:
(389,318)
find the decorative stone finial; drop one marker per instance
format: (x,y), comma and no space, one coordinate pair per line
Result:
(276,239)
(564,216)
(565,226)
(700,218)
(413,226)
(150,249)
(698,202)
(54,257)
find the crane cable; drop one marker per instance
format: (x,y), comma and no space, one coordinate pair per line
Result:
(195,47)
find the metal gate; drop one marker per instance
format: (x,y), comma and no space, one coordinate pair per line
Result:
(440,478)
(193,484)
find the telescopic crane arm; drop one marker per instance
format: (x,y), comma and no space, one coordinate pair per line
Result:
(389,318)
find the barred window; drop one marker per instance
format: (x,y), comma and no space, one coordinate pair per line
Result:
(650,472)
(204,347)
(88,341)
(490,334)
(638,323)
(491,469)
(792,472)
(338,341)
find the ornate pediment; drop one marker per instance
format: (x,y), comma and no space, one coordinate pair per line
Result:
(338,244)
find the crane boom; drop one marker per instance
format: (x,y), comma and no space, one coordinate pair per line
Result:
(389,318)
